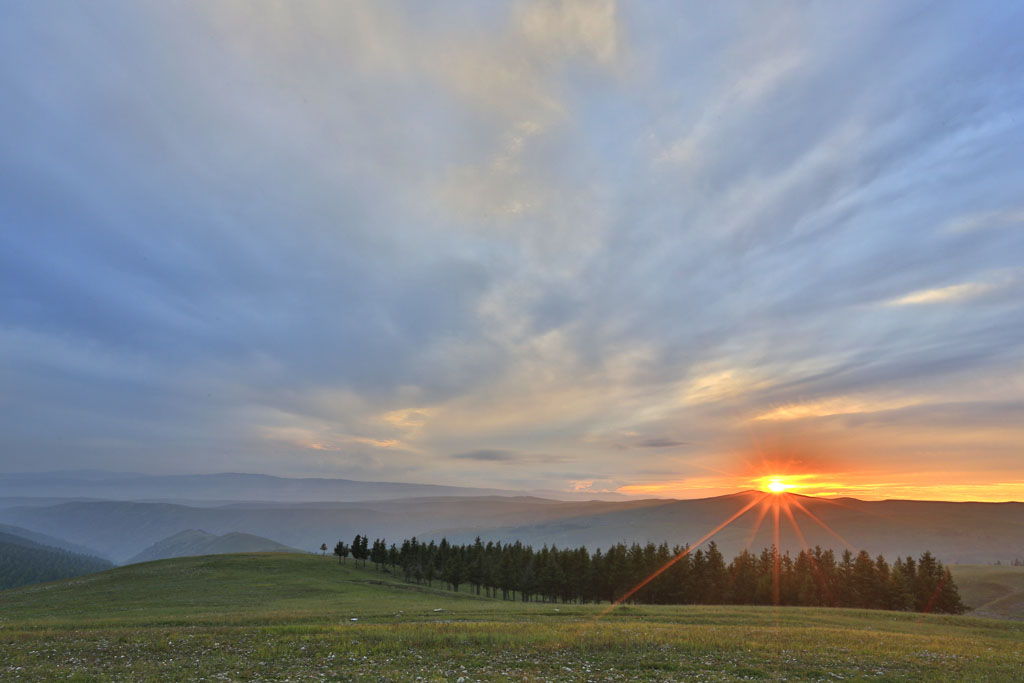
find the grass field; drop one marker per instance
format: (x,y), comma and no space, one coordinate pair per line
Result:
(302,617)
(992,591)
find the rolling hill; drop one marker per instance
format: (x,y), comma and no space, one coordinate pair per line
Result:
(192,542)
(303,617)
(24,562)
(995,591)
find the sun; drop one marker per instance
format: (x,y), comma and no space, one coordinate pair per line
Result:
(778,485)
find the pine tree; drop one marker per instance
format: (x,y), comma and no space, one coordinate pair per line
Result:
(341,550)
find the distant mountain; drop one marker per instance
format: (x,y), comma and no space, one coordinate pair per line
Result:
(227,487)
(197,542)
(52,541)
(955,532)
(121,530)
(23,562)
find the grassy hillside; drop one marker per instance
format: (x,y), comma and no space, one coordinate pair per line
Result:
(198,542)
(992,591)
(299,616)
(24,562)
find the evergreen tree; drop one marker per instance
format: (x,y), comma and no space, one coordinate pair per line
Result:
(654,574)
(341,550)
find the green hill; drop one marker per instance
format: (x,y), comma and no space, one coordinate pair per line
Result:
(52,541)
(24,562)
(198,542)
(992,591)
(276,616)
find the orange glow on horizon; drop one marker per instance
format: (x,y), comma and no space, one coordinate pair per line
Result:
(776,484)
(830,486)
(785,460)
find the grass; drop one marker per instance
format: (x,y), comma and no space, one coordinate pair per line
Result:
(992,591)
(300,617)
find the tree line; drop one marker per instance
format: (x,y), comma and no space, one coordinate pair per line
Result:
(814,578)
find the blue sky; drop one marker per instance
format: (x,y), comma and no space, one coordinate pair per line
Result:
(534,244)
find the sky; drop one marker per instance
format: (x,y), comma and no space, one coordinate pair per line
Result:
(659,248)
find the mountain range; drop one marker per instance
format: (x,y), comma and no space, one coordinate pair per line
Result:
(231,487)
(955,532)
(23,561)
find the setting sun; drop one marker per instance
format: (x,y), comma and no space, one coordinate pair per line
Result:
(778,486)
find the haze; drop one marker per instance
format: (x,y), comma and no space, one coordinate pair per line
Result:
(648,248)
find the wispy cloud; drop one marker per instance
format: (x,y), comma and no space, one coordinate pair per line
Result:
(488,455)
(940,295)
(626,238)
(840,405)
(661,442)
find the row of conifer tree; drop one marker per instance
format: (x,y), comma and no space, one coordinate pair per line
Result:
(814,578)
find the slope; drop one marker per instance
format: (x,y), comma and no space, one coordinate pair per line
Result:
(304,617)
(23,562)
(992,591)
(198,542)
(52,541)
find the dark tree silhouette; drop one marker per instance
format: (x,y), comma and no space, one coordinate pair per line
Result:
(813,578)
(341,550)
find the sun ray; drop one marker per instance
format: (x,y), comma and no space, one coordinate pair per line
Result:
(797,529)
(681,555)
(757,524)
(814,562)
(824,526)
(775,538)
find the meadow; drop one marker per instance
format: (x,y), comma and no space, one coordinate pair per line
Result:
(303,617)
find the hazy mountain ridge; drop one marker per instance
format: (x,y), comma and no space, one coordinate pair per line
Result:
(24,562)
(122,529)
(955,532)
(50,541)
(198,542)
(234,486)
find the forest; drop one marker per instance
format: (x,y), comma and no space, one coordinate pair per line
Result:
(23,562)
(658,574)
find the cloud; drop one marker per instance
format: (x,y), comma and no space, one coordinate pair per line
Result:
(488,455)
(571,27)
(661,442)
(840,405)
(940,295)
(986,220)
(356,239)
